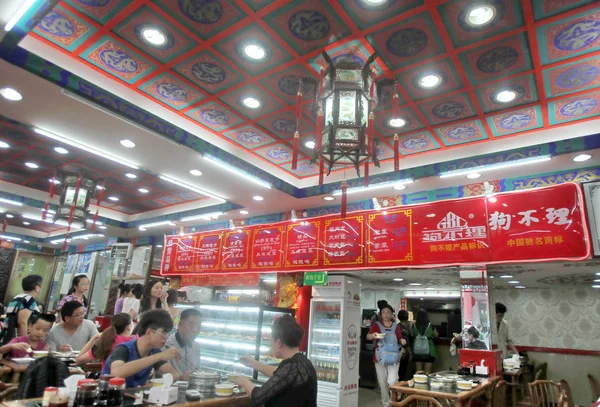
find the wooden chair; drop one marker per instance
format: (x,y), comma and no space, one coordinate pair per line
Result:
(7,391)
(595,384)
(499,394)
(544,393)
(563,400)
(540,374)
(417,401)
(566,393)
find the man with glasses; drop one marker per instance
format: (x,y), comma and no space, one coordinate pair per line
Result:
(135,360)
(184,340)
(74,331)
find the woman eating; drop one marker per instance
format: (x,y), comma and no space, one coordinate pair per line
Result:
(294,381)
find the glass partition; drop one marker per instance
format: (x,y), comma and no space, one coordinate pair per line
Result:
(476,331)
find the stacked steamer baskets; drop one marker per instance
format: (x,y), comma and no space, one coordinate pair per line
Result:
(204,382)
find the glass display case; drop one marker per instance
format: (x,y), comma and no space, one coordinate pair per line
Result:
(324,349)
(230,331)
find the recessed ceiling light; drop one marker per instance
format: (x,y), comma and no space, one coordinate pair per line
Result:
(244,212)
(398,122)
(9,216)
(430,288)
(127,143)
(154,36)
(328,198)
(54,181)
(4,144)
(31,165)
(492,199)
(113,198)
(310,144)
(258,198)
(375,2)
(130,175)
(506,96)
(399,187)
(252,103)
(26,241)
(430,81)
(255,51)
(582,157)
(474,175)
(26,223)
(596,281)
(506,276)
(596,286)
(143,190)
(196,173)
(11,94)
(398,279)
(520,286)
(513,282)
(481,15)
(61,150)
(102,227)
(415,284)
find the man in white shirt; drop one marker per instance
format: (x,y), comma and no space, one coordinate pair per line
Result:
(74,331)
(184,340)
(501,333)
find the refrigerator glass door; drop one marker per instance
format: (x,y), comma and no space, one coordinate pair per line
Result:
(324,347)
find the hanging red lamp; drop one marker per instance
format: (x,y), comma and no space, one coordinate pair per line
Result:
(98,201)
(296,149)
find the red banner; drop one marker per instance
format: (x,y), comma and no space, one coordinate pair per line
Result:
(544,224)
(222,280)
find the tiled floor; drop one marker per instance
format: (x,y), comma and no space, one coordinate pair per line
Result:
(368,398)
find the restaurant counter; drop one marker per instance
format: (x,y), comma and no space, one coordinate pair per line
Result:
(241,400)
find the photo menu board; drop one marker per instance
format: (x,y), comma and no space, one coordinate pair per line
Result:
(532,225)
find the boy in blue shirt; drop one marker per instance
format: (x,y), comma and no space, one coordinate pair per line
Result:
(135,360)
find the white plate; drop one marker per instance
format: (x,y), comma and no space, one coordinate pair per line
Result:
(224,395)
(23,361)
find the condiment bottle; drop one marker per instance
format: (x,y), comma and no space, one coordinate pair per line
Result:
(103,389)
(48,393)
(116,392)
(60,398)
(86,395)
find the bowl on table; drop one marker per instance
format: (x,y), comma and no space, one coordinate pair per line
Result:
(40,354)
(224,390)
(464,384)
(421,378)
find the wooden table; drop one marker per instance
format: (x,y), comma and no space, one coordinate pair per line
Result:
(241,400)
(18,368)
(514,375)
(452,398)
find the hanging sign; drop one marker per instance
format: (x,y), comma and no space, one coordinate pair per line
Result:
(315,278)
(544,224)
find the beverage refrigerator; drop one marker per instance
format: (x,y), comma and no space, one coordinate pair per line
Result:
(334,340)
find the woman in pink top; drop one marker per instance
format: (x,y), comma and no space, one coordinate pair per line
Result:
(101,346)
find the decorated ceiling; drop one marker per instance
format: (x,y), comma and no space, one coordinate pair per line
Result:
(464,76)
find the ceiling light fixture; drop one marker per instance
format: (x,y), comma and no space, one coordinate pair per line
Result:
(506,276)
(113,198)
(399,187)
(154,224)
(328,198)
(251,103)
(143,190)
(196,173)
(430,81)
(596,286)
(398,279)
(92,221)
(582,157)
(415,284)
(11,202)
(205,216)
(6,237)
(520,286)
(4,144)
(375,186)
(102,227)
(127,143)
(9,216)
(31,165)
(84,148)
(375,2)
(255,51)
(244,212)
(513,282)
(61,150)
(236,171)
(398,122)
(27,223)
(493,167)
(506,96)
(11,94)
(26,241)
(154,36)
(473,175)
(131,176)
(258,198)
(18,15)
(191,188)
(481,15)
(310,144)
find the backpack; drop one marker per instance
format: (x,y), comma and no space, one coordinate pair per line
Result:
(11,322)
(421,343)
(44,372)
(387,348)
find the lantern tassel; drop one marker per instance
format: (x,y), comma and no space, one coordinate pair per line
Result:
(45,210)
(370,135)
(319,135)
(296,148)
(367,173)
(396,153)
(321,171)
(93,228)
(98,201)
(344,199)
(4,224)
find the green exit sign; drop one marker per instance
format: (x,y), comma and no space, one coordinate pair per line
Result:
(314,278)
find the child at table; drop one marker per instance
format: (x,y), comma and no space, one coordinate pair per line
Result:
(23,346)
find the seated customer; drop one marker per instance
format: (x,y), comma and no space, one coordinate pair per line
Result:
(101,346)
(294,381)
(74,331)
(135,360)
(184,340)
(473,340)
(22,346)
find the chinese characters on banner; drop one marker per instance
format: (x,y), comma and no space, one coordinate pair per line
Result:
(222,280)
(302,244)
(389,236)
(539,224)
(547,223)
(343,241)
(235,250)
(267,248)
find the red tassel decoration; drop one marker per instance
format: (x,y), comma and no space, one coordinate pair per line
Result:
(52,186)
(296,149)
(367,173)
(396,153)
(98,201)
(370,135)
(64,248)
(4,224)
(321,171)
(45,211)
(344,198)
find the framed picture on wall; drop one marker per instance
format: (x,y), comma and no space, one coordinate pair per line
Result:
(591,193)
(26,264)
